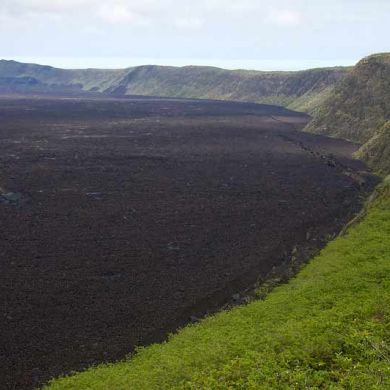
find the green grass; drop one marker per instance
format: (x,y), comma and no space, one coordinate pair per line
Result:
(328,328)
(376,152)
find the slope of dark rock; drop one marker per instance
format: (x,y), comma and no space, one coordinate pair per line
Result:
(124,219)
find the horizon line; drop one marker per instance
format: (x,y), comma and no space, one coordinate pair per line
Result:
(266,65)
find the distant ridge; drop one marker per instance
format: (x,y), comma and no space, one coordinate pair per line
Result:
(346,102)
(301,90)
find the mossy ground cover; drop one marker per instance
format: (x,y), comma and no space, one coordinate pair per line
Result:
(328,328)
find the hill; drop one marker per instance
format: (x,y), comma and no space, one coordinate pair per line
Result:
(377,150)
(21,77)
(295,90)
(358,109)
(302,91)
(327,328)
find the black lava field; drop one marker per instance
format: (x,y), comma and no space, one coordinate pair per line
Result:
(121,220)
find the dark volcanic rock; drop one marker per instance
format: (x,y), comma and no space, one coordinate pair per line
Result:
(152,214)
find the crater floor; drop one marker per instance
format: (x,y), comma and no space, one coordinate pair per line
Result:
(122,219)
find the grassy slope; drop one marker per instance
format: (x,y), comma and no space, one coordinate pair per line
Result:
(359,104)
(358,108)
(302,90)
(377,150)
(329,327)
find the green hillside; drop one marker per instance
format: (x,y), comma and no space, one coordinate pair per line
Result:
(358,109)
(290,89)
(328,328)
(377,150)
(31,77)
(302,91)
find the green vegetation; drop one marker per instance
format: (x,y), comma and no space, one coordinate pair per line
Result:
(44,78)
(280,88)
(328,328)
(377,150)
(302,91)
(358,109)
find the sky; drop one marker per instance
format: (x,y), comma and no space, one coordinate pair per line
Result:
(248,34)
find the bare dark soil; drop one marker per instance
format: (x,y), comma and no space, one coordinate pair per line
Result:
(121,219)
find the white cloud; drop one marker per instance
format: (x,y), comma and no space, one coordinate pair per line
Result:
(23,7)
(230,29)
(120,13)
(191,23)
(165,13)
(285,17)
